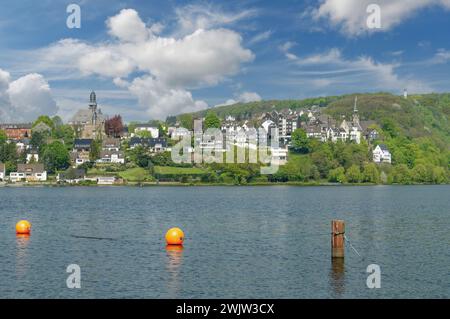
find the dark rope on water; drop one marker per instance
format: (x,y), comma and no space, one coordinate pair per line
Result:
(89,237)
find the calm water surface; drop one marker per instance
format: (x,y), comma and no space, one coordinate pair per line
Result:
(241,242)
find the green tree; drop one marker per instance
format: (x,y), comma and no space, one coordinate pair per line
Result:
(371,173)
(139,156)
(389,127)
(186,121)
(46,120)
(337,175)
(212,120)
(65,133)
(57,121)
(144,134)
(401,174)
(300,141)
(353,174)
(421,174)
(9,156)
(55,156)
(3,137)
(38,140)
(439,175)
(96,147)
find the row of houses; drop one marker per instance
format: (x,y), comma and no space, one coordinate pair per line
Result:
(37,173)
(25,172)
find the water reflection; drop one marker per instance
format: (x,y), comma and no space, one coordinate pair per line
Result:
(173,266)
(337,277)
(22,242)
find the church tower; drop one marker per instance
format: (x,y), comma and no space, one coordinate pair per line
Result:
(93,107)
(355,113)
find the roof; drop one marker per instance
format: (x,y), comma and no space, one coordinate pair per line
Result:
(41,127)
(365,124)
(146,125)
(111,142)
(383,147)
(108,154)
(85,116)
(150,142)
(30,168)
(27,126)
(82,142)
(73,173)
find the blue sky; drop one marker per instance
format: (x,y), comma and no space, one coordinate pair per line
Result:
(150,59)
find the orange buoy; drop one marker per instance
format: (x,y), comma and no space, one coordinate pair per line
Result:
(174,236)
(23,227)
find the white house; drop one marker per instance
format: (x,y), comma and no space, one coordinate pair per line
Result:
(106,180)
(111,157)
(29,173)
(279,155)
(2,172)
(154,131)
(381,154)
(33,156)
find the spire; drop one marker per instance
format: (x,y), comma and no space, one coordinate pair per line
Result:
(355,117)
(92,99)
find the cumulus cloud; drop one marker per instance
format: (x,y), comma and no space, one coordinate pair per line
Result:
(128,26)
(245,97)
(162,99)
(350,16)
(170,65)
(25,98)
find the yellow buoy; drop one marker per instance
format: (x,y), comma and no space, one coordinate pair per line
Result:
(174,236)
(23,227)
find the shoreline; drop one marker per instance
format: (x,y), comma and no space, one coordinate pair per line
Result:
(179,184)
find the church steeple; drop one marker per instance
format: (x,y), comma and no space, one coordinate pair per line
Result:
(92,99)
(355,113)
(93,107)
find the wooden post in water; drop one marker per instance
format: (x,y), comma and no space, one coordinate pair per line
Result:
(337,238)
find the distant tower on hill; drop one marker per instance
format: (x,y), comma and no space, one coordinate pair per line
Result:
(405,93)
(93,107)
(355,113)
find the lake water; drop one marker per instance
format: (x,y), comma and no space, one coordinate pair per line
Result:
(241,242)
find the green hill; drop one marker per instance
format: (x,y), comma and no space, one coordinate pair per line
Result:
(416,131)
(418,116)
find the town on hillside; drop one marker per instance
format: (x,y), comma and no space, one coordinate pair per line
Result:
(80,150)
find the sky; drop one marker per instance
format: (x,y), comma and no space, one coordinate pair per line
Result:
(150,59)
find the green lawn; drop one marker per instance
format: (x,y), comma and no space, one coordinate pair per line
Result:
(137,174)
(166,170)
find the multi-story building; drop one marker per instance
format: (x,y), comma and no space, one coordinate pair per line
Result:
(17,131)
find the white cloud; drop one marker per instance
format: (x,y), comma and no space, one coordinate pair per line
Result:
(331,68)
(245,97)
(127,26)
(25,98)
(105,62)
(193,17)
(442,56)
(161,100)
(260,37)
(350,16)
(170,65)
